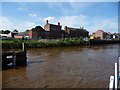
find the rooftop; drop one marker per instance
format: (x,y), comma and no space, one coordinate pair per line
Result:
(77,29)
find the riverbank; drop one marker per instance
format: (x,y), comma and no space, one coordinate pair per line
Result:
(17,44)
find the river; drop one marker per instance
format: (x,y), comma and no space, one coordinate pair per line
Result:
(64,67)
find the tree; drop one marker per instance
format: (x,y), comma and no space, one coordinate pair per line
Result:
(1,31)
(6,31)
(33,29)
(27,30)
(38,27)
(15,30)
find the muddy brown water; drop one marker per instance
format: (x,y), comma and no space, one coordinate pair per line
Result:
(64,67)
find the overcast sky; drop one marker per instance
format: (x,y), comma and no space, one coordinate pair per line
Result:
(90,15)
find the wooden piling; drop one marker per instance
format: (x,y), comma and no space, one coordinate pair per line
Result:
(111,84)
(23,47)
(21,59)
(119,65)
(116,79)
(16,58)
(7,58)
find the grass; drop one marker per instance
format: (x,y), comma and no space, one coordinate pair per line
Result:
(17,44)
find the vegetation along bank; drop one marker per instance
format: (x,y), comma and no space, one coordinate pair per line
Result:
(17,44)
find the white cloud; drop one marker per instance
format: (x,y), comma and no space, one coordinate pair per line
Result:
(91,24)
(32,15)
(7,24)
(106,24)
(48,18)
(24,26)
(71,21)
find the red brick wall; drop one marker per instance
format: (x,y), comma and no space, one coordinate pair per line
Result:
(54,27)
(37,34)
(47,27)
(54,34)
(54,31)
(76,33)
(30,34)
(99,34)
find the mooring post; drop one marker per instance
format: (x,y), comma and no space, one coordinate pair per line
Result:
(23,47)
(116,81)
(111,84)
(23,55)
(14,59)
(119,66)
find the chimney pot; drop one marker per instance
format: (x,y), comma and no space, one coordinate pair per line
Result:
(65,28)
(46,21)
(58,23)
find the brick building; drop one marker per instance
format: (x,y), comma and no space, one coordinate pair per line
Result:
(37,33)
(54,30)
(116,35)
(103,35)
(21,35)
(76,32)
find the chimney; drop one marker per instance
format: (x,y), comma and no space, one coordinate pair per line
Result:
(46,21)
(65,28)
(58,23)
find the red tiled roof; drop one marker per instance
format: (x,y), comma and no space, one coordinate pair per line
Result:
(101,30)
(109,33)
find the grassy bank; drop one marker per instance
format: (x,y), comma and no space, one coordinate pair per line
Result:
(17,44)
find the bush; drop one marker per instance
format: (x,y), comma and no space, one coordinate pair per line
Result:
(14,44)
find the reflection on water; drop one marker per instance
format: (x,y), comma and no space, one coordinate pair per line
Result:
(64,67)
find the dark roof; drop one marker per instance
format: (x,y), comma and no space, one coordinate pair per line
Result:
(14,32)
(116,34)
(21,34)
(53,25)
(101,30)
(77,29)
(37,28)
(64,31)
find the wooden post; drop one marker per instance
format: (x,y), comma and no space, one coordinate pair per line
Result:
(23,46)
(119,66)
(21,59)
(116,76)
(14,59)
(111,84)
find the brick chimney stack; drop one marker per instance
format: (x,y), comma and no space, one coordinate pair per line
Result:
(58,23)
(65,28)
(46,21)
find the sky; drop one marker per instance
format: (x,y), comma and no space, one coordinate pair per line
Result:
(92,16)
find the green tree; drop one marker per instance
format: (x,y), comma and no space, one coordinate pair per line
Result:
(27,30)
(33,29)
(1,31)
(15,30)
(38,27)
(6,31)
